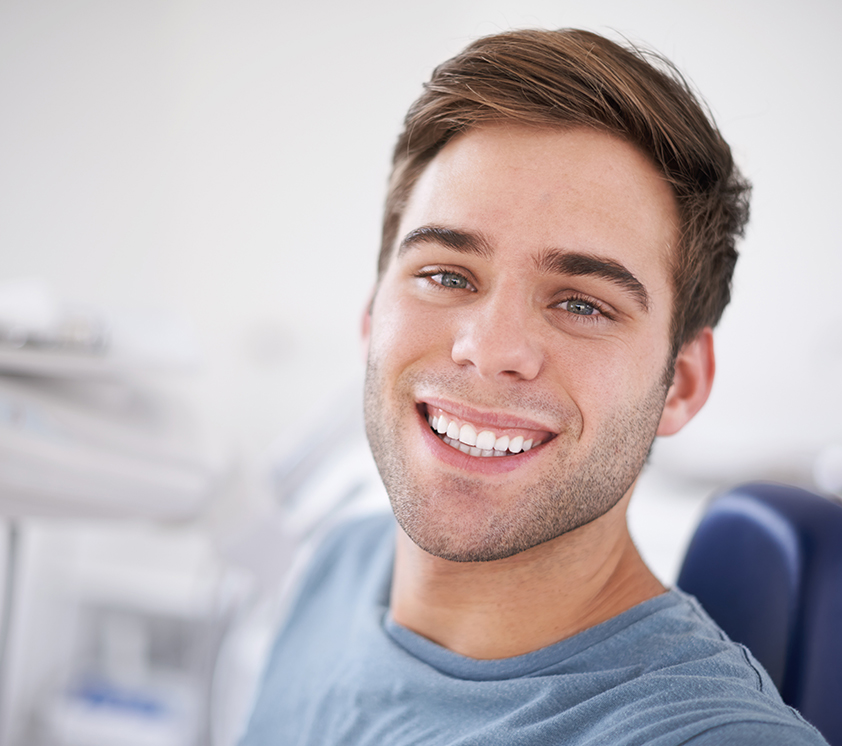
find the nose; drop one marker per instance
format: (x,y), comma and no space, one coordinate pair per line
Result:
(497,337)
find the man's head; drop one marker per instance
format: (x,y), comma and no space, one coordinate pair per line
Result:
(558,240)
(571,78)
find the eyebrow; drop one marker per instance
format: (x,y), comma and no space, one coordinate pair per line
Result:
(581,265)
(465,243)
(554,261)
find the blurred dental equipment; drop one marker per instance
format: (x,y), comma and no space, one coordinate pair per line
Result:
(81,431)
(110,627)
(40,335)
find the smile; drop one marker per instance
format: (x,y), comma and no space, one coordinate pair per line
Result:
(479,441)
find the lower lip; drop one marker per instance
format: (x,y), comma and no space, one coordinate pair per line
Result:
(466,462)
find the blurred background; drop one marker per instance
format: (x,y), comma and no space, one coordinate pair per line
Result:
(190,197)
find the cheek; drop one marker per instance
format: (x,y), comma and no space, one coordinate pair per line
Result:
(588,367)
(403,331)
(603,380)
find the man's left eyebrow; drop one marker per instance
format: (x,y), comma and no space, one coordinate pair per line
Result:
(466,243)
(579,265)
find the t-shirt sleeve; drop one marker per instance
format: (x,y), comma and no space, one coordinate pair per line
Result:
(758,734)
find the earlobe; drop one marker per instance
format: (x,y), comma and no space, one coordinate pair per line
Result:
(694,370)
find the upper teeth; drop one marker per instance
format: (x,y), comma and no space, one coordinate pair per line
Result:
(484,442)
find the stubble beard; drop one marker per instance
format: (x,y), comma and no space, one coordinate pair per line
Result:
(465,520)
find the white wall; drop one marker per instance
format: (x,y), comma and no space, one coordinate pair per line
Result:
(225,161)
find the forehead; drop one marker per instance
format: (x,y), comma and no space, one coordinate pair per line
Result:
(527,189)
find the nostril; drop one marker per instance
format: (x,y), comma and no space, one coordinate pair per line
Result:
(518,358)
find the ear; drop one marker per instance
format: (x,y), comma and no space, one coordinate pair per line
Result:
(694,369)
(365,325)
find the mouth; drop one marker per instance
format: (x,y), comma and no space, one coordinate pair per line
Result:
(480,440)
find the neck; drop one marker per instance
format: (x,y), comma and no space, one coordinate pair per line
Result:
(525,602)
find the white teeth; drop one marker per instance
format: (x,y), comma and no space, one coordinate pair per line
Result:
(486,440)
(473,450)
(468,435)
(486,443)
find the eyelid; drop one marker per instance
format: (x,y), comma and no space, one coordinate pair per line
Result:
(430,272)
(603,310)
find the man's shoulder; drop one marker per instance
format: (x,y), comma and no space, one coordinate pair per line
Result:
(357,533)
(758,733)
(668,634)
(690,676)
(358,546)
(348,571)
(660,673)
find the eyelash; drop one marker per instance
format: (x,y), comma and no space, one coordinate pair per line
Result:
(429,274)
(600,309)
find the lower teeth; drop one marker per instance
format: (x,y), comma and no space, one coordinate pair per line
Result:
(472,450)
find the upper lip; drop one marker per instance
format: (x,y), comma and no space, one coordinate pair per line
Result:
(492,420)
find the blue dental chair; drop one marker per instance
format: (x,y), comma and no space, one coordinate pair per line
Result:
(766,564)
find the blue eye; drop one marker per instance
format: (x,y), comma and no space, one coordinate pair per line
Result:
(579,307)
(439,278)
(452,280)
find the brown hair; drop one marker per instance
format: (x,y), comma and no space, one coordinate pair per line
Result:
(569,78)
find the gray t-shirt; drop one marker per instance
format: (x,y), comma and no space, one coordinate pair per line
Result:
(343,672)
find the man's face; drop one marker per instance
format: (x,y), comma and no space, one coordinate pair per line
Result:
(528,300)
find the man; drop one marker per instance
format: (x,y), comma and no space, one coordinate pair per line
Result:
(558,243)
